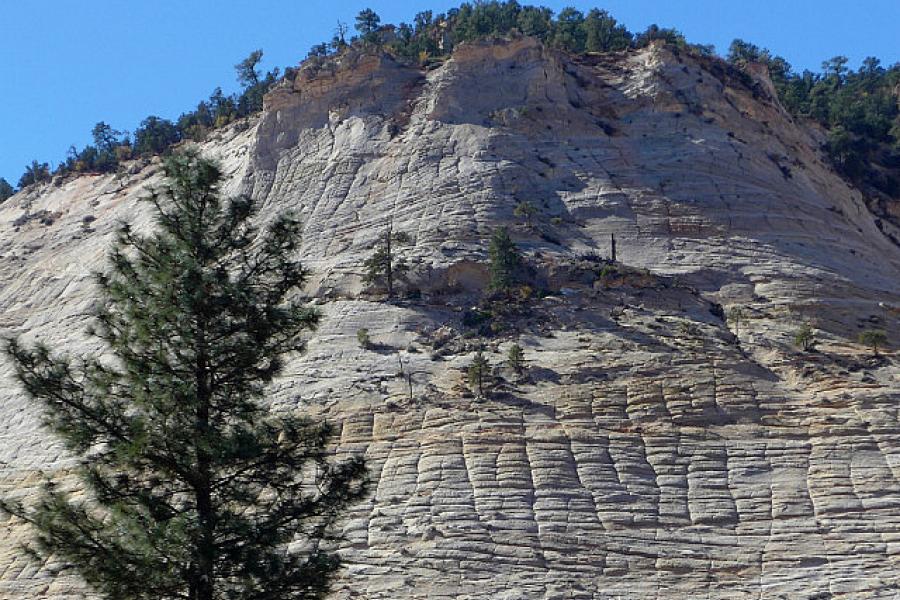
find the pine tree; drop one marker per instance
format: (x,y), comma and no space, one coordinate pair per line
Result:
(384,265)
(247,71)
(479,372)
(6,190)
(155,136)
(525,211)
(805,338)
(603,33)
(505,260)
(367,24)
(736,316)
(516,359)
(34,173)
(194,489)
(873,338)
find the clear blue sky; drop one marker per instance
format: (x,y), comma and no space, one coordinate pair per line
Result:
(66,64)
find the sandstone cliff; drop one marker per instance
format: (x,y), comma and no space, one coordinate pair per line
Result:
(654,450)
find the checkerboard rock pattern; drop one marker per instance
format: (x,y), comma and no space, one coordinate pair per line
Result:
(653,448)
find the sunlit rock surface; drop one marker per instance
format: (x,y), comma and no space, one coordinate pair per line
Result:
(653,449)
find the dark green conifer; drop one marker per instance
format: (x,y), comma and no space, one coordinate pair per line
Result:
(6,190)
(194,488)
(504,260)
(873,338)
(805,338)
(384,266)
(479,373)
(36,172)
(516,358)
(155,136)
(367,24)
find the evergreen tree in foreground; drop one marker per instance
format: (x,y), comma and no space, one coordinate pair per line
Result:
(195,489)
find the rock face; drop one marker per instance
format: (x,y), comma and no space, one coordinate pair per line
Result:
(653,449)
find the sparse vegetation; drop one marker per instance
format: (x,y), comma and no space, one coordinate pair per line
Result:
(873,338)
(805,338)
(859,108)
(430,36)
(607,273)
(362,336)
(525,211)
(156,135)
(479,321)
(109,149)
(433,36)
(476,317)
(525,292)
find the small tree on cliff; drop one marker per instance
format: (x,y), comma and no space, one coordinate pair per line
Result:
(247,70)
(367,24)
(805,338)
(254,83)
(155,136)
(479,373)
(515,356)
(195,490)
(384,265)
(6,190)
(873,338)
(34,173)
(504,261)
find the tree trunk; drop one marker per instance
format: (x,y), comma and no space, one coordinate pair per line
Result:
(206,552)
(389,266)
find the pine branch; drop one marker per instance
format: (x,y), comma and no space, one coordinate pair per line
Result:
(195,491)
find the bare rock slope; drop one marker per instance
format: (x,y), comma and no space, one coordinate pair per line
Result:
(653,449)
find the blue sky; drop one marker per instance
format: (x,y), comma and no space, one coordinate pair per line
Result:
(65,65)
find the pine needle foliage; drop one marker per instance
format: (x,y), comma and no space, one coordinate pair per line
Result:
(384,266)
(873,338)
(479,373)
(515,357)
(195,489)
(805,338)
(504,261)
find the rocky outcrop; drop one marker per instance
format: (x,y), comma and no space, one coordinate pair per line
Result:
(653,448)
